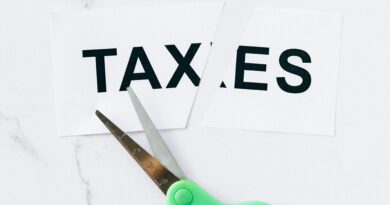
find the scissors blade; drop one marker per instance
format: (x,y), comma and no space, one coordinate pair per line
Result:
(160,175)
(157,143)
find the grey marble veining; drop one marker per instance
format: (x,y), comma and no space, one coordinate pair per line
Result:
(13,130)
(88,195)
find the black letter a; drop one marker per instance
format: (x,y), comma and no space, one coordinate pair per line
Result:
(139,53)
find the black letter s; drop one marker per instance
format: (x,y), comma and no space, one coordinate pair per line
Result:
(304,74)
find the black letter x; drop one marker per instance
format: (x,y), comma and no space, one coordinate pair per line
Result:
(184,65)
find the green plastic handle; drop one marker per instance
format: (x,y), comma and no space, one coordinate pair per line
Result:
(185,192)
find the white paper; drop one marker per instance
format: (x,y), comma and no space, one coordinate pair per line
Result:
(311,111)
(75,76)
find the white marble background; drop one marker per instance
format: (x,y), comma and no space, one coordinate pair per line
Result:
(353,168)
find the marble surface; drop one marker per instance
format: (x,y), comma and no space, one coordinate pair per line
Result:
(36,167)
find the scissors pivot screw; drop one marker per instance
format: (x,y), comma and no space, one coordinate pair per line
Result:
(183,197)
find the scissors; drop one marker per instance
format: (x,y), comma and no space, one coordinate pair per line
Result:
(164,169)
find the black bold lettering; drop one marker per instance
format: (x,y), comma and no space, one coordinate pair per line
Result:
(99,55)
(184,65)
(241,66)
(304,74)
(149,74)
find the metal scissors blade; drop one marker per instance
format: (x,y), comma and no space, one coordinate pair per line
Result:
(160,175)
(157,143)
